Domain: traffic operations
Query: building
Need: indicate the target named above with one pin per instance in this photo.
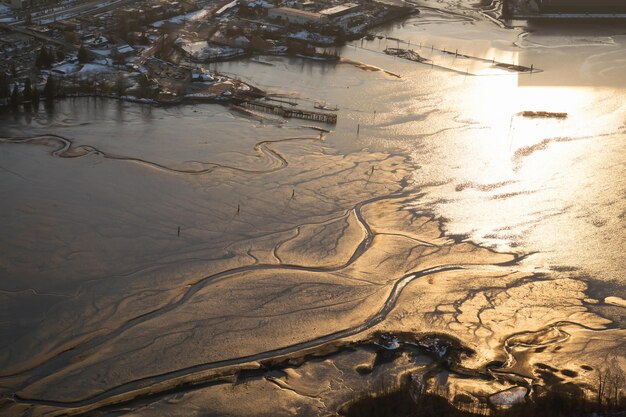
(125, 50)
(338, 11)
(294, 16)
(582, 6)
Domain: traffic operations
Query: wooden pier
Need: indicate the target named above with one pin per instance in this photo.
(330, 118)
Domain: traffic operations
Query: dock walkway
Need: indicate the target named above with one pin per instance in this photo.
(330, 118)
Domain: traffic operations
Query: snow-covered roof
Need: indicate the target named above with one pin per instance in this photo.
(125, 49)
(227, 7)
(342, 8)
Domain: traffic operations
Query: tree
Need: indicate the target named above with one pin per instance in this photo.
(16, 97)
(120, 85)
(35, 97)
(28, 90)
(145, 86)
(43, 59)
(83, 55)
(118, 58)
(13, 69)
(50, 89)
(123, 27)
(5, 89)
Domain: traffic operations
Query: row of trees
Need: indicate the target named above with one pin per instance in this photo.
(54, 88)
(30, 93)
(48, 56)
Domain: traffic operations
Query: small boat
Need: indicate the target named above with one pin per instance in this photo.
(544, 114)
(323, 106)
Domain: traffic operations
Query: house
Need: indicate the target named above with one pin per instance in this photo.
(224, 39)
(125, 50)
(201, 76)
(294, 16)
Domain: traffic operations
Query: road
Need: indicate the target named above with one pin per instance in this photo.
(82, 9)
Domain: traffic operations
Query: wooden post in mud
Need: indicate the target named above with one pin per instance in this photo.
(358, 129)
(293, 193)
(178, 231)
(532, 66)
(238, 209)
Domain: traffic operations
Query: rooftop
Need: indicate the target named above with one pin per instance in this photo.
(297, 12)
(338, 9)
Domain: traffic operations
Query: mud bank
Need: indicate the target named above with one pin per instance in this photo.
(302, 279)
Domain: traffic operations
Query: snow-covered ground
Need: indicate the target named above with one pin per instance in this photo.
(260, 3)
(313, 37)
(67, 68)
(189, 17)
(91, 69)
(202, 50)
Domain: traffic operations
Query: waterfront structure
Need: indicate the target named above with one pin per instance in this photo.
(582, 6)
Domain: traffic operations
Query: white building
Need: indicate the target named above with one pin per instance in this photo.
(289, 15)
(341, 10)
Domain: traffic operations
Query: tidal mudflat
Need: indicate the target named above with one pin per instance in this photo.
(192, 261)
